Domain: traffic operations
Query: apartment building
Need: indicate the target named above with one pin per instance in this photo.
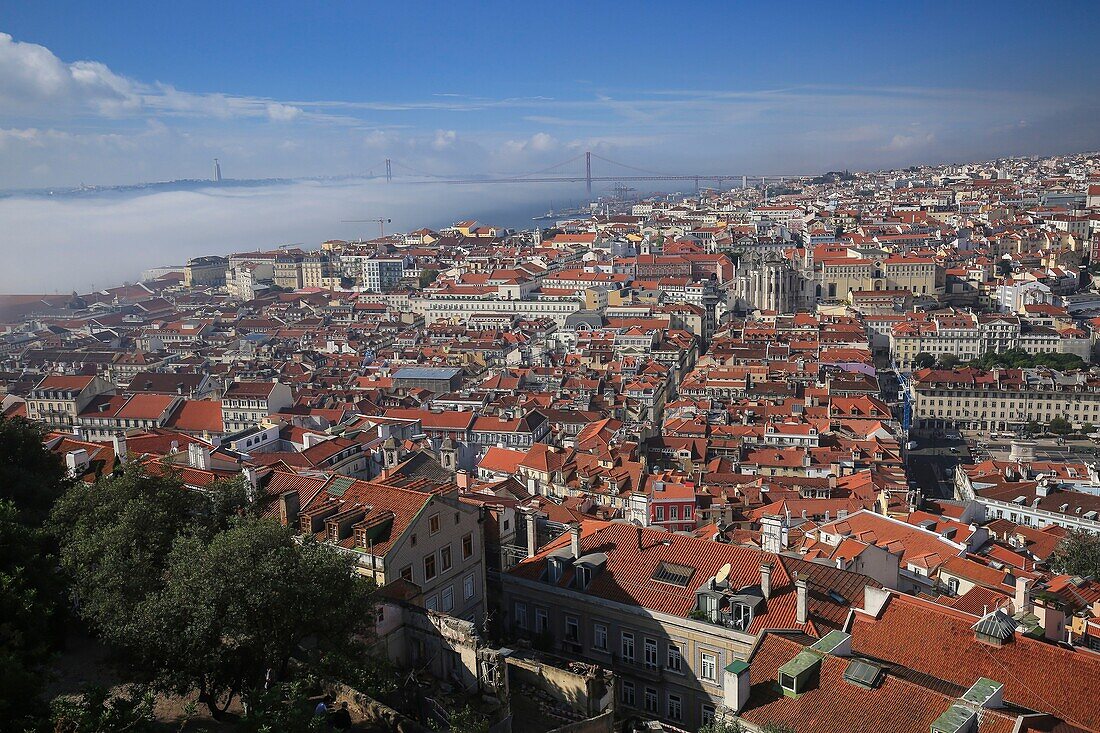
(421, 533)
(57, 399)
(968, 336)
(205, 271)
(246, 404)
(668, 612)
(1023, 494)
(109, 415)
(460, 308)
(1002, 399)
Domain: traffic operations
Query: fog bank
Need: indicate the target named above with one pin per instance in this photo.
(77, 242)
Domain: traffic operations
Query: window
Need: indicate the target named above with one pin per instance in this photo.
(458, 518)
(706, 714)
(675, 658)
(429, 566)
(628, 646)
(660, 514)
(584, 576)
(468, 587)
(708, 666)
(650, 647)
(675, 708)
(467, 546)
(572, 629)
(445, 559)
(626, 693)
(542, 620)
(651, 701)
(674, 512)
(433, 524)
(447, 598)
(521, 615)
(407, 573)
(412, 540)
(599, 637)
(432, 603)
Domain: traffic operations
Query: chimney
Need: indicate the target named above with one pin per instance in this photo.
(766, 579)
(76, 461)
(1021, 603)
(288, 509)
(198, 456)
(802, 587)
(462, 478)
(874, 600)
(735, 685)
(575, 539)
(118, 440)
(532, 519)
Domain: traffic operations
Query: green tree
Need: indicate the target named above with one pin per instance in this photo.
(30, 476)
(1031, 427)
(115, 537)
(1077, 554)
(197, 593)
(947, 361)
(97, 710)
(234, 611)
(468, 720)
(1060, 426)
(32, 592)
(283, 708)
(427, 277)
(923, 360)
(30, 607)
(722, 726)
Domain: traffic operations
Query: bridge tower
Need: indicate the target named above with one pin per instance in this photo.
(588, 172)
(389, 171)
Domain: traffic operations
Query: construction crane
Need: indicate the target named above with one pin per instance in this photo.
(381, 222)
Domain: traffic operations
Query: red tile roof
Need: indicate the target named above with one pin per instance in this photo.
(834, 705)
(634, 554)
(1036, 674)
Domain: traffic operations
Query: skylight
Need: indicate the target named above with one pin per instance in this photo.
(862, 673)
(673, 574)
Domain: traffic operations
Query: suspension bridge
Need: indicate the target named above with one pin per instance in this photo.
(562, 173)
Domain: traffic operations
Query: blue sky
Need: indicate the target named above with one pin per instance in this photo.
(121, 92)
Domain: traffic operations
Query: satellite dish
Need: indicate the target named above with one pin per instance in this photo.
(723, 574)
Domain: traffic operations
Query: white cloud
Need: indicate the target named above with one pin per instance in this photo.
(444, 139)
(908, 142)
(33, 80)
(283, 112)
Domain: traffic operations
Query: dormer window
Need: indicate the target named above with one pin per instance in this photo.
(553, 570)
(584, 577)
(741, 615)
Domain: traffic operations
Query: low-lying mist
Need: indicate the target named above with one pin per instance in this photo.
(98, 240)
